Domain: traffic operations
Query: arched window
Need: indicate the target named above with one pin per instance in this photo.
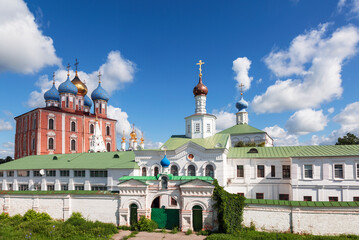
(209, 171)
(174, 170)
(108, 147)
(164, 183)
(191, 170)
(79, 104)
(108, 130)
(155, 171)
(73, 145)
(51, 143)
(100, 107)
(51, 123)
(67, 102)
(92, 129)
(73, 127)
(144, 171)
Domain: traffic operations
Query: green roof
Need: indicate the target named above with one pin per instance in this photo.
(294, 151)
(170, 176)
(241, 129)
(301, 203)
(216, 141)
(75, 192)
(103, 160)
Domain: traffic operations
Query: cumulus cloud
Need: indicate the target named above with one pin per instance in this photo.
(23, 47)
(5, 126)
(281, 137)
(352, 7)
(224, 119)
(152, 145)
(331, 110)
(241, 67)
(316, 61)
(122, 125)
(306, 121)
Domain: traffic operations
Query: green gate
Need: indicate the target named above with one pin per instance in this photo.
(197, 218)
(133, 214)
(165, 218)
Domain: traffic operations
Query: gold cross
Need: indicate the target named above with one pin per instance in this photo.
(200, 63)
(241, 85)
(76, 63)
(53, 78)
(68, 69)
(99, 77)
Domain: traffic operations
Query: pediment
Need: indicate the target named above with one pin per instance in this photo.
(132, 183)
(196, 183)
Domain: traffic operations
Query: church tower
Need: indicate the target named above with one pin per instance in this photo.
(241, 105)
(68, 92)
(100, 99)
(81, 91)
(200, 124)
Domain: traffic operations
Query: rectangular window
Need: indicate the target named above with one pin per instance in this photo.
(9, 187)
(307, 198)
(338, 171)
(333, 199)
(188, 128)
(208, 127)
(33, 144)
(357, 170)
(308, 171)
(10, 173)
(37, 173)
(356, 199)
(240, 171)
(241, 194)
(23, 187)
(79, 173)
(50, 187)
(284, 197)
(197, 127)
(286, 171)
(259, 195)
(260, 171)
(272, 171)
(23, 173)
(37, 187)
(98, 173)
(50, 173)
(64, 187)
(98, 188)
(64, 173)
(79, 187)
(173, 201)
(1, 173)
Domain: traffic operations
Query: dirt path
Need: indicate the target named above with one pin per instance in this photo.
(158, 236)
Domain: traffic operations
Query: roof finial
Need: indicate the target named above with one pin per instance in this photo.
(76, 63)
(53, 78)
(68, 69)
(99, 77)
(123, 137)
(241, 85)
(200, 63)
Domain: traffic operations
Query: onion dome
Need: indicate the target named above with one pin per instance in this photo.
(81, 87)
(68, 87)
(87, 101)
(165, 162)
(100, 93)
(200, 88)
(52, 94)
(241, 105)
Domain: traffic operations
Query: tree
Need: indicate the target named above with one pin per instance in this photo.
(349, 139)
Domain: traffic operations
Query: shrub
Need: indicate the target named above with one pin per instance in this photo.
(124, 227)
(76, 219)
(189, 232)
(174, 230)
(145, 224)
(204, 232)
(32, 215)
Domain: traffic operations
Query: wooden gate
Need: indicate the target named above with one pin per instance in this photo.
(133, 214)
(165, 218)
(197, 218)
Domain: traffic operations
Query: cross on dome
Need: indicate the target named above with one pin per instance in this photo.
(76, 63)
(200, 63)
(68, 69)
(241, 85)
(53, 78)
(99, 77)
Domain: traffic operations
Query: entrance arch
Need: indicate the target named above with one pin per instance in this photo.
(133, 214)
(165, 218)
(197, 218)
(156, 202)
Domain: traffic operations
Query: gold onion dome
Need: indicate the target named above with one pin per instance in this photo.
(81, 87)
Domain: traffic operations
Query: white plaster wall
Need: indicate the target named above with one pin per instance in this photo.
(53, 206)
(18, 205)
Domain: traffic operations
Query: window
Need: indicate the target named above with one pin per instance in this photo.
(197, 127)
(260, 171)
(64, 187)
(144, 172)
(34, 123)
(79, 104)
(108, 131)
(191, 170)
(37, 173)
(79, 173)
(23, 187)
(284, 197)
(173, 201)
(338, 171)
(286, 171)
(100, 107)
(208, 127)
(33, 144)
(209, 171)
(240, 171)
(73, 127)
(10, 173)
(108, 147)
(79, 187)
(51, 123)
(155, 171)
(1, 173)
(64, 173)
(272, 171)
(355, 199)
(307, 198)
(241, 194)
(174, 170)
(50, 187)
(51, 143)
(9, 187)
(91, 129)
(50, 173)
(164, 182)
(259, 195)
(98, 173)
(333, 199)
(37, 187)
(67, 102)
(357, 170)
(73, 145)
(23, 173)
(308, 171)
(188, 128)
(98, 188)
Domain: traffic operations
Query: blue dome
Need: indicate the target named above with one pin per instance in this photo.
(52, 94)
(241, 105)
(68, 87)
(100, 93)
(87, 101)
(165, 162)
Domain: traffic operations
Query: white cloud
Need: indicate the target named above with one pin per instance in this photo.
(319, 82)
(5, 126)
(8, 150)
(122, 120)
(352, 7)
(8, 145)
(241, 67)
(306, 121)
(152, 145)
(23, 47)
(224, 119)
(281, 137)
(331, 110)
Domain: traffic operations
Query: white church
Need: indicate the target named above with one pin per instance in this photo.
(178, 177)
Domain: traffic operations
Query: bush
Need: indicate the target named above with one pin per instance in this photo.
(32, 215)
(189, 232)
(145, 224)
(174, 230)
(76, 219)
(124, 227)
(204, 232)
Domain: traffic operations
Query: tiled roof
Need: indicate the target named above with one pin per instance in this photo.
(103, 160)
(241, 129)
(216, 141)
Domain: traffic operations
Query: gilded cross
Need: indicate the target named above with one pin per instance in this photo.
(76, 63)
(241, 85)
(99, 76)
(68, 69)
(200, 63)
(53, 78)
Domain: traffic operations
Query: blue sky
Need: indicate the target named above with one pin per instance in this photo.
(147, 52)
